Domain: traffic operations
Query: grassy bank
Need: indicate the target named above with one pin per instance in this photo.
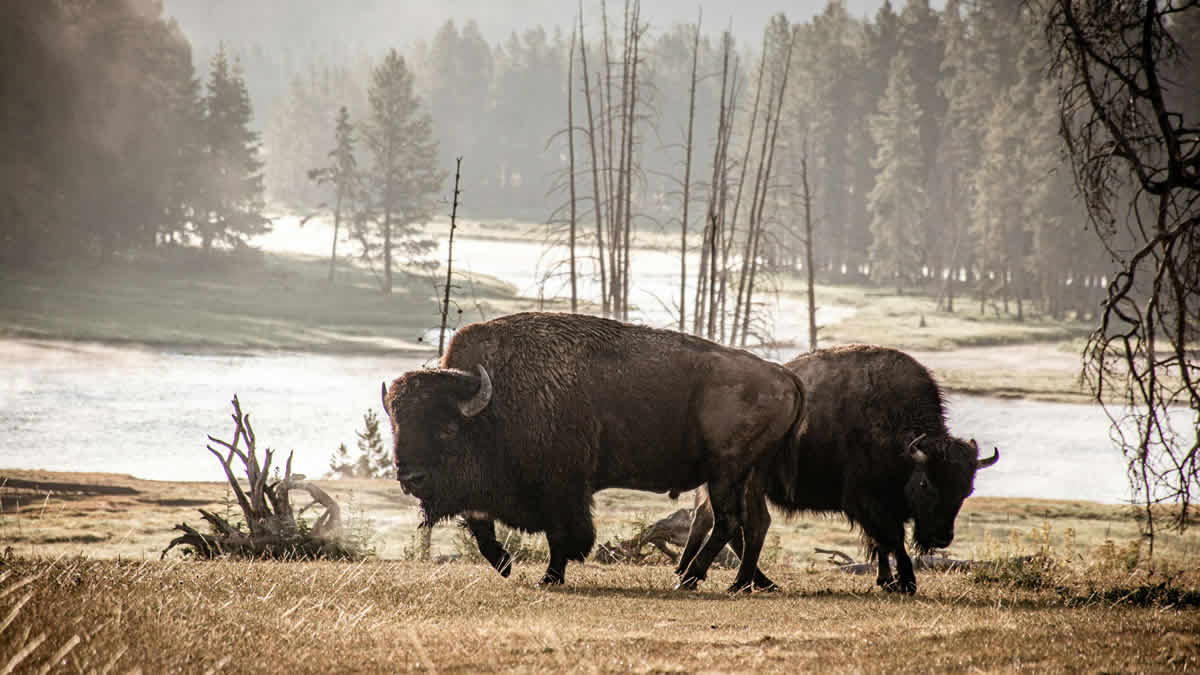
(882, 317)
(185, 299)
(113, 515)
(1086, 599)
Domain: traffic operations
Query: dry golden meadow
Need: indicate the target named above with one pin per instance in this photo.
(82, 590)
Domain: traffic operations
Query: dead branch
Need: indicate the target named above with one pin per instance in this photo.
(271, 527)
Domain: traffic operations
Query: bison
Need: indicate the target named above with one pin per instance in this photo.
(876, 449)
(532, 413)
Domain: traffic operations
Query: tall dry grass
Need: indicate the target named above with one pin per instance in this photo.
(1056, 614)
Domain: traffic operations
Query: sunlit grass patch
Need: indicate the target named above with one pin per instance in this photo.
(183, 297)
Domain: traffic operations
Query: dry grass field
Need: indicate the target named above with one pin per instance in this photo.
(82, 590)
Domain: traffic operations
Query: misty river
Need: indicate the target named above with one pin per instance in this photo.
(147, 412)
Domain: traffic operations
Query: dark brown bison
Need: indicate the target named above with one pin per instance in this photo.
(875, 448)
(530, 414)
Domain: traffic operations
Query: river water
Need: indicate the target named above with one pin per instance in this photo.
(147, 412)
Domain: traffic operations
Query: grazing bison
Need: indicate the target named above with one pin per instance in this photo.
(875, 448)
(530, 414)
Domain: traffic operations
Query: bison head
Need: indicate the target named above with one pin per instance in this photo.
(432, 412)
(943, 476)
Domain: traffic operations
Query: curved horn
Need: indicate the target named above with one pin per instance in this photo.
(481, 399)
(383, 397)
(985, 463)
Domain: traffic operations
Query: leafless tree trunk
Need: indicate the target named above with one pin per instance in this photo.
(708, 249)
(607, 105)
(687, 183)
(597, 199)
(757, 214)
(571, 166)
(806, 200)
(449, 257)
(634, 38)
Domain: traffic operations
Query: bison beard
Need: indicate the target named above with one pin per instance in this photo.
(876, 449)
(532, 413)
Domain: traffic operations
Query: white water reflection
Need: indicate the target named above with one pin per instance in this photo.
(94, 408)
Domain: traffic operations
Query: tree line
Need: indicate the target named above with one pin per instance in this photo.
(113, 144)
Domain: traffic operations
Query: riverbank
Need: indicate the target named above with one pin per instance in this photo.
(105, 515)
(233, 302)
(261, 302)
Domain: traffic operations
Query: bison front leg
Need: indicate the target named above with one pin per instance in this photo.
(571, 538)
(484, 531)
(907, 582)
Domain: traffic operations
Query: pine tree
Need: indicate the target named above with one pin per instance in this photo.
(342, 173)
(374, 458)
(404, 179)
(997, 215)
(234, 180)
(898, 201)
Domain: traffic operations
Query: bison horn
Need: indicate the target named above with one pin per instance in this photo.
(383, 397)
(481, 399)
(985, 463)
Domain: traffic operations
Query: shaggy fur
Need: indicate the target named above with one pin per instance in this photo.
(580, 404)
(869, 409)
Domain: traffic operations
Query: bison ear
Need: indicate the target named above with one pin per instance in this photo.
(480, 400)
(974, 445)
(918, 455)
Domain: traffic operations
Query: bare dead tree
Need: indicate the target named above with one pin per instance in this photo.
(571, 165)
(450, 256)
(687, 181)
(272, 528)
(1136, 161)
(597, 199)
(633, 38)
(759, 199)
(806, 202)
(708, 244)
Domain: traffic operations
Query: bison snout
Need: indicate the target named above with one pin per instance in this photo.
(411, 479)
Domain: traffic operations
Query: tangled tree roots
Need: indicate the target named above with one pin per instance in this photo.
(272, 528)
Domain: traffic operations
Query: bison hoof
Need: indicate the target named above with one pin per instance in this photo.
(551, 579)
(688, 584)
(894, 586)
(740, 587)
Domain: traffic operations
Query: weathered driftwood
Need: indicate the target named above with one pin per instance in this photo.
(272, 530)
(930, 561)
(660, 537)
